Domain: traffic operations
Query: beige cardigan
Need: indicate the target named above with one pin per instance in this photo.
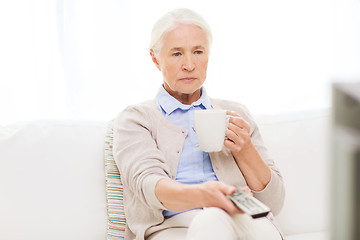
(147, 148)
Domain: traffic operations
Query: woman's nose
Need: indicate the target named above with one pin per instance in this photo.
(188, 64)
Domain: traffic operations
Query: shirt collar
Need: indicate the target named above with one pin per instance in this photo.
(169, 104)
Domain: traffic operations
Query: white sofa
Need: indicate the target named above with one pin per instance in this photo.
(52, 180)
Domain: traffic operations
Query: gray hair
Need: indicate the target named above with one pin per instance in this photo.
(170, 20)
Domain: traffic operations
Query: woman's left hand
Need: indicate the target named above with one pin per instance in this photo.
(256, 172)
(237, 133)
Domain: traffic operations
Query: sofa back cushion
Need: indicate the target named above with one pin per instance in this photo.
(114, 191)
(52, 181)
(299, 142)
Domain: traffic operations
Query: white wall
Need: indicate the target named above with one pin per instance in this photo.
(89, 58)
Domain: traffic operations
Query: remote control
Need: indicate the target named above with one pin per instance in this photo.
(249, 204)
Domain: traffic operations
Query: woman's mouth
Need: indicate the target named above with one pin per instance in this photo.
(188, 79)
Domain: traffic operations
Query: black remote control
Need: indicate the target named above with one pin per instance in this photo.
(249, 204)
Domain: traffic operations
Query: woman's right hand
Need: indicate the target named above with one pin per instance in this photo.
(176, 196)
(214, 194)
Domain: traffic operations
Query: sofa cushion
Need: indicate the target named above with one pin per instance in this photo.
(114, 191)
(299, 142)
(309, 236)
(52, 181)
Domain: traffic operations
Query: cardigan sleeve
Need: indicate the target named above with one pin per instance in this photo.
(141, 164)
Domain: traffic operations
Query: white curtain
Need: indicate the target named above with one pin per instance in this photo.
(88, 59)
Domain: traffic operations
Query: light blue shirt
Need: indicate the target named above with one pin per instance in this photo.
(195, 165)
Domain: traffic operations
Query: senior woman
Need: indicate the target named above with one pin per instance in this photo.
(172, 189)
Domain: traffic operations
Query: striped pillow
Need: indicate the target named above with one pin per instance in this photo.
(114, 191)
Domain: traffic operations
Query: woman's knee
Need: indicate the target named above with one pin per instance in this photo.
(212, 223)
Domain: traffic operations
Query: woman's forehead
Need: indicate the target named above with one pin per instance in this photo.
(185, 35)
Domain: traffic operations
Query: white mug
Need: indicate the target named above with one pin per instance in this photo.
(210, 126)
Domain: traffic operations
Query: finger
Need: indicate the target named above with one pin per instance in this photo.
(227, 204)
(231, 208)
(238, 131)
(228, 143)
(247, 190)
(236, 135)
(232, 113)
(234, 140)
(232, 146)
(228, 189)
(240, 122)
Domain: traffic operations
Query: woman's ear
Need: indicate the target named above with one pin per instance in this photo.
(154, 59)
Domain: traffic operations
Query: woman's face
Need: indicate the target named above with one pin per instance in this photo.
(183, 61)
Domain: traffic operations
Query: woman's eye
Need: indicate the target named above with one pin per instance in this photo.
(176, 54)
(198, 52)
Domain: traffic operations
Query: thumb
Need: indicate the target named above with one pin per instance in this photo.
(228, 190)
